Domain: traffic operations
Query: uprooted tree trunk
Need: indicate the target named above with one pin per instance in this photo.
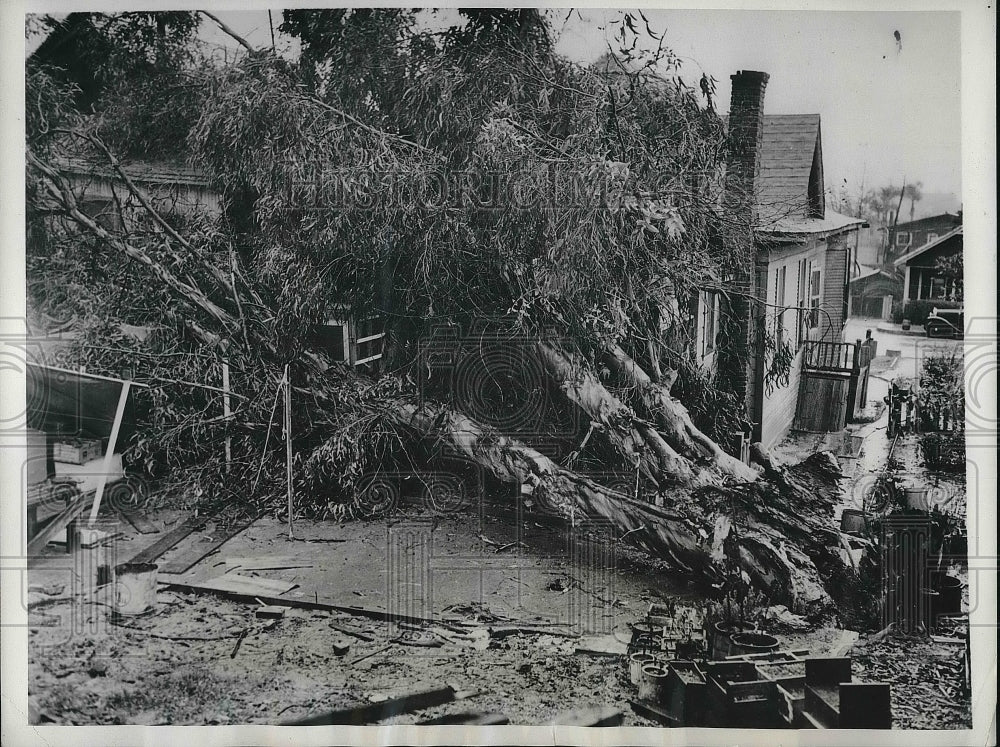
(691, 536)
(672, 419)
(635, 441)
(713, 500)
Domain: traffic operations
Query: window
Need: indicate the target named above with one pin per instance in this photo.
(930, 237)
(709, 317)
(103, 211)
(779, 303)
(368, 339)
(351, 342)
(938, 288)
(902, 239)
(815, 295)
(332, 338)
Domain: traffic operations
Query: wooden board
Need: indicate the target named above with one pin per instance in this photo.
(171, 538)
(199, 551)
(308, 604)
(139, 522)
(654, 712)
(76, 507)
(468, 718)
(371, 714)
(234, 583)
(265, 563)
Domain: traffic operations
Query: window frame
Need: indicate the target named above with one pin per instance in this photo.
(815, 299)
(709, 321)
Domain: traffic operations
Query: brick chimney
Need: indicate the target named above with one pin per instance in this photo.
(746, 128)
(740, 361)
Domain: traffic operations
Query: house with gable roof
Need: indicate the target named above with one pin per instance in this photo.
(802, 255)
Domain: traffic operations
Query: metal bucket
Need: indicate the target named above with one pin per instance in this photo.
(720, 634)
(636, 662)
(752, 643)
(647, 643)
(135, 590)
(653, 683)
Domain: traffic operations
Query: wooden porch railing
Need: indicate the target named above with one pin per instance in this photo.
(829, 356)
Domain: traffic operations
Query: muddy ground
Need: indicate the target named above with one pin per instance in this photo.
(203, 658)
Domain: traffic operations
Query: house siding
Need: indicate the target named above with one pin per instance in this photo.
(165, 197)
(910, 235)
(780, 406)
(834, 292)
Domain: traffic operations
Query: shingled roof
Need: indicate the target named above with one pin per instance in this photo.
(790, 183)
(789, 186)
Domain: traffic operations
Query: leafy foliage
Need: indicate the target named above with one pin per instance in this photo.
(581, 199)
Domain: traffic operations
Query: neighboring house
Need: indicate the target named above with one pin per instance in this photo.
(868, 252)
(169, 187)
(803, 251)
(921, 279)
(872, 293)
(908, 236)
(174, 188)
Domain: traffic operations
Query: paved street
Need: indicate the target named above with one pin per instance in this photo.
(912, 350)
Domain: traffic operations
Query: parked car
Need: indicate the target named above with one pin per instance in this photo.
(945, 323)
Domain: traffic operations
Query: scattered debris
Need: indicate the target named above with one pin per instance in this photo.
(349, 631)
(601, 645)
(340, 646)
(234, 583)
(503, 632)
(270, 611)
(470, 718)
(239, 642)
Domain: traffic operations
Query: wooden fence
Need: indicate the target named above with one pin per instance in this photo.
(834, 388)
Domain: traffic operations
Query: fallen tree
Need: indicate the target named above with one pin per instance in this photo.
(248, 289)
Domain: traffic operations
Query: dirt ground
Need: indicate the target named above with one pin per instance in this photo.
(177, 664)
(203, 658)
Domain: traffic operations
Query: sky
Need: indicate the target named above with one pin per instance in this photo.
(890, 110)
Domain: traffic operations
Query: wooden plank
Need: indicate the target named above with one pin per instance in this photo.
(264, 563)
(469, 718)
(199, 552)
(139, 522)
(307, 604)
(654, 712)
(171, 538)
(76, 507)
(371, 714)
(234, 583)
(102, 479)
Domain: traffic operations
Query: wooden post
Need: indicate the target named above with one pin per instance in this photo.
(226, 412)
(102, 479)
(288, 447)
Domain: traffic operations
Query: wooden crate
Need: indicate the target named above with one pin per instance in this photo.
(79, 451)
